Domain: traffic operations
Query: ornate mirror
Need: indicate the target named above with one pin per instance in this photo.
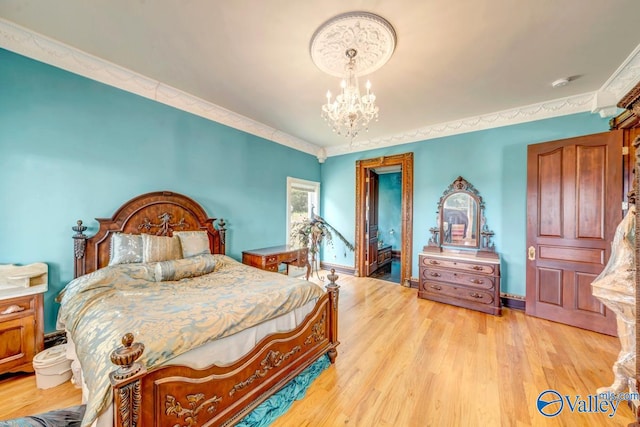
(460, 220)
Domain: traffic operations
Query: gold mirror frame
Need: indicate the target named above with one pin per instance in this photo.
(479, 231)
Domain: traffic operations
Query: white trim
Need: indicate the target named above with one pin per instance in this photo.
(529, 113)
(311, 186)
(42, 48)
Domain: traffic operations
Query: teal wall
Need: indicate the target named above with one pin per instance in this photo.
(389, 209)
(494, 161)
(72, 148)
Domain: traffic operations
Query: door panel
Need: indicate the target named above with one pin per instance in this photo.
(372, 222)
(574, 197)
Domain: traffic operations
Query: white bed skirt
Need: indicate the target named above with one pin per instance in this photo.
(220, 352)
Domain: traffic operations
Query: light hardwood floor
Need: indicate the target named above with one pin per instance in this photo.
(403, 361)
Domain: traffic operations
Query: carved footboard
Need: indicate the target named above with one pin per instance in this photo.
(221, 395)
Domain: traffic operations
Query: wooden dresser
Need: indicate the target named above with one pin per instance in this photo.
(465, 280)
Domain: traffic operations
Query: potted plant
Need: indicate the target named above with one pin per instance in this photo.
(313, 231)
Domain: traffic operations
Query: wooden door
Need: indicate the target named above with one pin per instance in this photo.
(372, 222)
(574, 203)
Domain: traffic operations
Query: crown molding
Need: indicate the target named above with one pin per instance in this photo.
(625, 77)
(602, 101)
(529, 113)
(44, 49)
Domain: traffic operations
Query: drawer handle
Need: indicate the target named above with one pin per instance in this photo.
(436, 287)
(13, 309)
(434, 262)
(476, 281)
(476, 295)
(435, 274)
(477, 267)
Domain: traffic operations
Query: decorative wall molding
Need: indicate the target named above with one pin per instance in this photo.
(36, 46)
(41, 48)
(529, 113)
(625, 77)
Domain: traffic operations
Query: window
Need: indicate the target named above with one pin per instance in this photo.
(302, 197)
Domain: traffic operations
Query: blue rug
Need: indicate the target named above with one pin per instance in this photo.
(62, 417)
(262, 416)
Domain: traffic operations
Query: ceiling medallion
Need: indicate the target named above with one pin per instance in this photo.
(347, 46)
(370, 35)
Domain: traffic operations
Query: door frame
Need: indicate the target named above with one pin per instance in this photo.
(405, 161)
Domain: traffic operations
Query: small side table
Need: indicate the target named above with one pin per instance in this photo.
(21, 315)
(270, 258)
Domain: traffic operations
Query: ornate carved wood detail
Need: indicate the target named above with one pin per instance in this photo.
(333, 288)
(317, 331)
(405, 161)
(172, 210)
(125, 358)
(165, 227)
(630, 117)
(79, 239)
(126, 380)
(222, 230)
(272, 360)
(197, 404)
(79, 247)
(222, 395)
(436, 240)
(130, 398)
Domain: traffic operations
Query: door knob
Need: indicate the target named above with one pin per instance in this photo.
(532, 253)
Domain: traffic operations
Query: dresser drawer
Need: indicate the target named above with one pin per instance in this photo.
(17, 307)
(459, 265)
(468, 279)
(270, 259)
(460, 293)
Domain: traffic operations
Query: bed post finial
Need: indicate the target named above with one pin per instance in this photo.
(222, 231)
(334, 291)
(79, 246)
(126, 381)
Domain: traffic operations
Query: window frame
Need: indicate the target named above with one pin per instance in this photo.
(312, 186)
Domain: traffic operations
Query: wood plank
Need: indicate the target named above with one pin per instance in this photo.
(405, 361)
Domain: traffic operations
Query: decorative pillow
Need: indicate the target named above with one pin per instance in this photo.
(182, 268)
(160, 248)
(125, 248)
(193, 243)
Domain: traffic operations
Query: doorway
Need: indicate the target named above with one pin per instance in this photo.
(367, 182)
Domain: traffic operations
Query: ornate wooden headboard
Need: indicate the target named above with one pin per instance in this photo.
(160, 213)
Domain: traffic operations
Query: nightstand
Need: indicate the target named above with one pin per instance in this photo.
(21, 315)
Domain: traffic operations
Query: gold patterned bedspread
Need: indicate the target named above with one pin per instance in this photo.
(169, 317)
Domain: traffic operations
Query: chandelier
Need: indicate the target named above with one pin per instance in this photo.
(347, 46)
(350, 112)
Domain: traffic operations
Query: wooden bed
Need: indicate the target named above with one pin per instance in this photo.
(215, 395)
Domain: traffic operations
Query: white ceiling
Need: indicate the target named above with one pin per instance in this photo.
(458, 65)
